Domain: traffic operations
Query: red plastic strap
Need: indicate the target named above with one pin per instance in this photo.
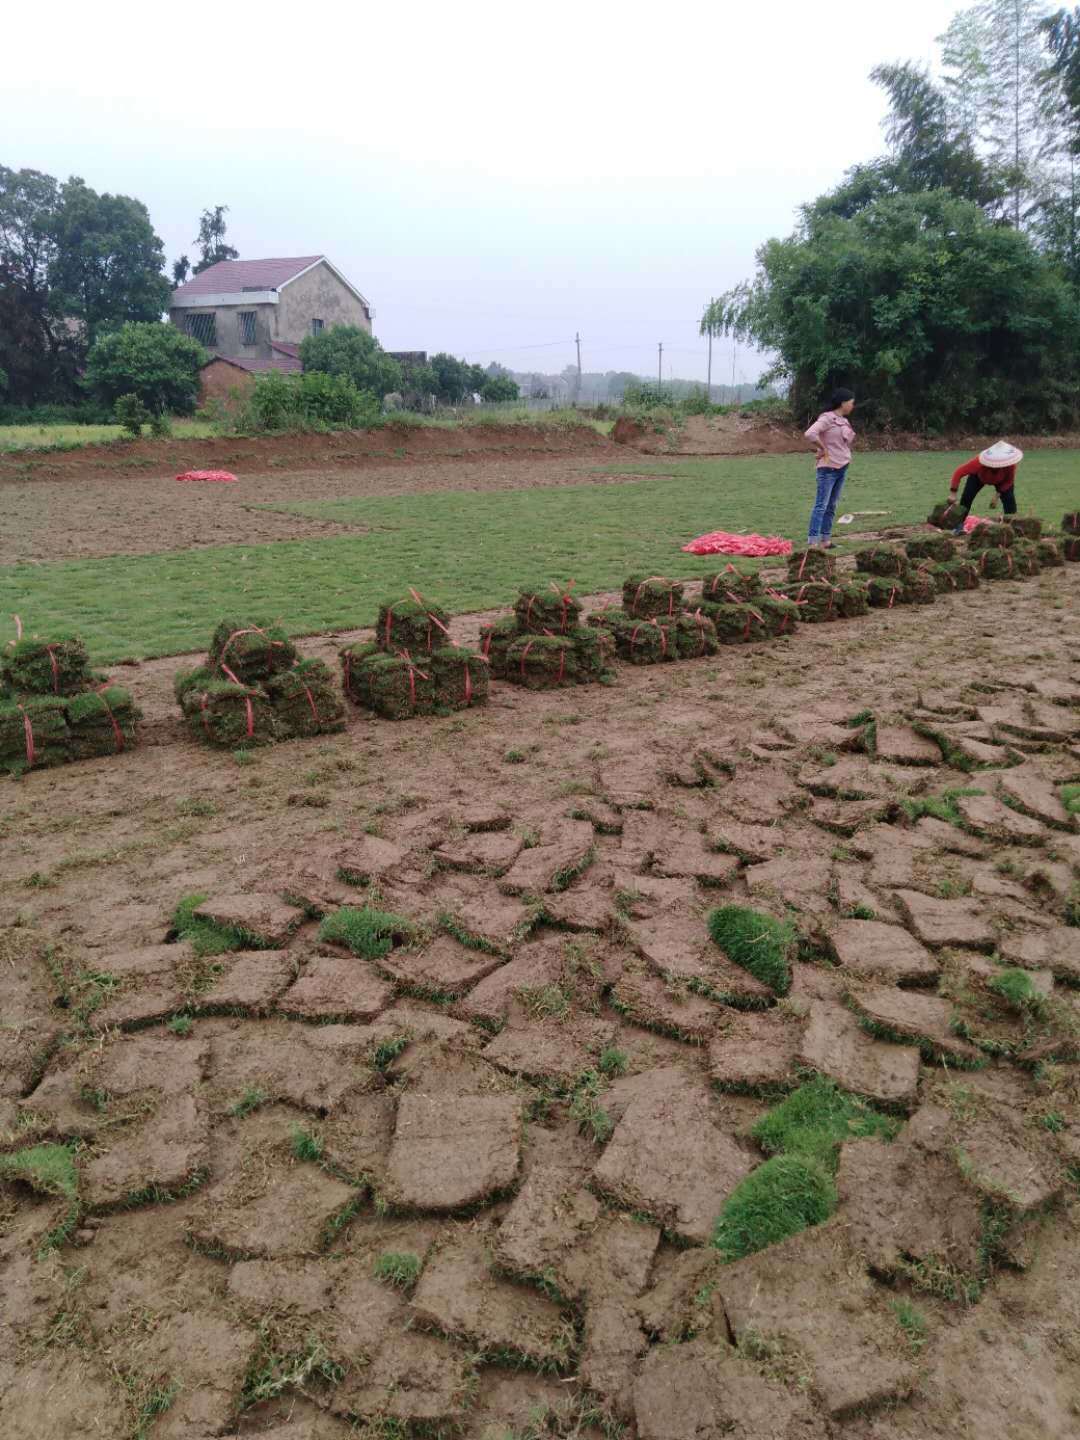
(802, 564)
(563, 592)
(468, 685)
(485, 649)
(413, 672)
(51, 649)
(251, 630)
(247, 698)
(116, 728)
(663, 635)
(389, 619)
(892, 596)
(525, 656)
(28, 731)
(699, 620)
(18, 628)
(311, 702)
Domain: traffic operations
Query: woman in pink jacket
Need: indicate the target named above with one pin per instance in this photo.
(832, 437)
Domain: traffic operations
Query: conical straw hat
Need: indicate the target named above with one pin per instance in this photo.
(996, 457)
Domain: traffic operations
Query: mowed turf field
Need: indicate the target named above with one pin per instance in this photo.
(474, 550)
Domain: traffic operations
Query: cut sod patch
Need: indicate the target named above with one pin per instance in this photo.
(48, 1170)
(366, 932)
(207, 937)
(757, 942)
(787, 1194)
(816, 1119)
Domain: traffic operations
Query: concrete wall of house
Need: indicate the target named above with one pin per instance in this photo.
(227, 325)
(318, 295)
(224, 383)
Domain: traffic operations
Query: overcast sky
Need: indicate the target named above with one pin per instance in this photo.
(492, 177)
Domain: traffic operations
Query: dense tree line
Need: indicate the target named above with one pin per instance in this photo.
(942, 279)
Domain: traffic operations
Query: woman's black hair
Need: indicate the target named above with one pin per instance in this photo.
(839, 396)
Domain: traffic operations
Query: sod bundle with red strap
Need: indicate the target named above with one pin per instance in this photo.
(996, 563)
(229, 715)
(817, 600)
(639, 642)
(251, 651)
(646, 596)
(461, 678)
(695, 635)
(33, 733)
(731, 585)
(737, 623)
(964, 574)
(882, 560)
(352, 673)
(939, 548)
(413, 624)
(780, 614)
(305, 701)
(946, 515)
(101, 722)
(59, 666)
(1026, 555)
(1070, 547)
(397, 687)
(885, 593)
(1049, 551)
(1029, 526)
(811, 564)
(549, 609)
(920, 587)
(1070, 522)
(495, 641)
(992, 537)
(546, 662)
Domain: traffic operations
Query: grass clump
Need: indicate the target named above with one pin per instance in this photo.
(614, 1062)
(207, 937)
(181, 1025)
(816, 1119)
(587, 1111)
(49, 1170)
(272, 1371)
(367, 932)
(399, 1268)
(1070, 798)
(305, 1144)
(763, 946)
(1016, 988)
(940, 807)
(787, 1194)
(912, 1321)
(250, 1100)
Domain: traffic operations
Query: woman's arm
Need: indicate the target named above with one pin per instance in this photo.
(815, 434)
(969, 467)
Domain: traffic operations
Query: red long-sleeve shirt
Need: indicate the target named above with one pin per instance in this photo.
(1001, 477)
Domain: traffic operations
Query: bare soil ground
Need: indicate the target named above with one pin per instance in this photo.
(216, 1282)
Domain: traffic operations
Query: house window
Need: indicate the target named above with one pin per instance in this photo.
(316, 327)
(247, 327)
(203, 328)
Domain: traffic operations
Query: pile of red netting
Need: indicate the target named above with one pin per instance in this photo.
(722, 542)
(973, 522)
(216, 477)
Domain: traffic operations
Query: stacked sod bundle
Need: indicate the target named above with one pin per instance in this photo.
(412, 667)
(953, 575)
(1029, 526)
(1070, 535)
(884, 560)
(823, 598)
(743, 610)
(1050, 550)
(989, 536)
(938, 548)
(543, 645)
(255, 689)
(946, 516)
(654, 625)
(53, 708)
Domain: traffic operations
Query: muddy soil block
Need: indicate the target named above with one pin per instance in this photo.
(228, 716)
(487, 853)
(1027, 788)
(810, 564)
(287, 1210)
(33, 733)
(61, 1392)
(305, 701)
(397, 687)
(938, 548)
(986, 816)
(102, 722)
(905, 746)
(252, 652)
(923, 1020)
(741, 624)
(997, 563)
(261, 919)
(886, 952)
(567, 849)
(613, 1342)
(453, 1151)
(1055, 948)
(653, 1004)
(960, 923)
(47, 667)
(445, 969)
(1029, 526)
(645, 596)
(999, 536)
(369, 858)
(731, 585)
(639, 642)
(701, 1389)
(337, 988)
(460, 1294)
(485, 920)
(888, 560)
(413, 1383)
(462, 678)
(834, 1044)
(536, 967)
(248, 981)
(946, 516)
(547, 610)
(411, 624)
(668, 1160)
(780, 614)
(802, 884)
(555, 1051)
(813, 1290)
(998, 1152)
(1050, 552)
(756, 1054)
(165, 1152)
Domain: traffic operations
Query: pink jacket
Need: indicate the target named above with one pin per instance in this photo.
(835, 435)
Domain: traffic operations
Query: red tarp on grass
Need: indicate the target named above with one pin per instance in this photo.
(722, 542)
(215, 477)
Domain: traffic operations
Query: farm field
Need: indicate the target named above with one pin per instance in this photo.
(62, 437)
(491, 1161)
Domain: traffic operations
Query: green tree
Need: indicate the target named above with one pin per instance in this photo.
(38, 353)
(348, 350)
(181, 269)
(108, 263)
(153, 361)
(454, 379)
(935, 315)
(210, 240)
(498, 388)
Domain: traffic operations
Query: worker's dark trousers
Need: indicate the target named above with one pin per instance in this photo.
(973, 485)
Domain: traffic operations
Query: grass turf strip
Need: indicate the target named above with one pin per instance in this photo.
(469, 550)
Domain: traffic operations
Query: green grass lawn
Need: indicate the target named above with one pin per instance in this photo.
(473, 551)
(72, 437)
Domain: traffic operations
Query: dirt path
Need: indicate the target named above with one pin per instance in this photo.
(541, 1104)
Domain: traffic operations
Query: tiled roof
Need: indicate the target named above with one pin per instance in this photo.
(228, 277)
(287, 364)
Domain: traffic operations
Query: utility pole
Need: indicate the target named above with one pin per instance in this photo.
(660, 366)
(577, 392)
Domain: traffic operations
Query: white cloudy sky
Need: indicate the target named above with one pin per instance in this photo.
(492, 176)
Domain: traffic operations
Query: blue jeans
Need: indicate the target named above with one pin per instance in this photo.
(829, 484)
